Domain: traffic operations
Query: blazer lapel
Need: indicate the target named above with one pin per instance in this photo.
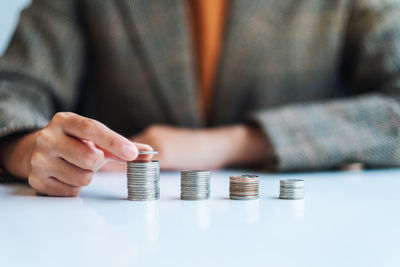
(249, 48)
(160, 28)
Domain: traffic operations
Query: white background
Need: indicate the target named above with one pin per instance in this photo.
(347, 219)
(9, 15)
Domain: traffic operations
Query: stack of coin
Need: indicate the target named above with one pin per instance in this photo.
(143, 180)
(291, 189)
(195, 185)
(243, 187)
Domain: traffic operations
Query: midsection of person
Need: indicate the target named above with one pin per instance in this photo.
(281, 69)
(271, 55)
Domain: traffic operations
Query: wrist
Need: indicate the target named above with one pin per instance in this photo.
(15, 154)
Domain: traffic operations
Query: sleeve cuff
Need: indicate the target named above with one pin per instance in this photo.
(22, 110)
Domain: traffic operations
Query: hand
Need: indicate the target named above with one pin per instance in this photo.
(209, 149)
(61, 158)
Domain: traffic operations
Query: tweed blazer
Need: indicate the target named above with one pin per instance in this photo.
(321, 78)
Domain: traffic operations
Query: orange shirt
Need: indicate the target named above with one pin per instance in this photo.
(207, 19)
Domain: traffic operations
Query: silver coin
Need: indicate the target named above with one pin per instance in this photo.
(234, 197)
(292, 183)
(290, 197)
(148, 152)
(292, 193)
(194, 198)
(205, 192)
(292, 190)
(195, 172)
(143, 180)
(195, 195)
(195, 184)
(142, 199)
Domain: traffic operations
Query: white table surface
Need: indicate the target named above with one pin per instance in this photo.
(346, 219)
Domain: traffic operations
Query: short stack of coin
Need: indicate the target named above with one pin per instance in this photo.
(143, 180)
(243, 187)
(195, 185)
(291, 189)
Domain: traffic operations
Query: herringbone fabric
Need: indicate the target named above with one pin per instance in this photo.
(322, 78)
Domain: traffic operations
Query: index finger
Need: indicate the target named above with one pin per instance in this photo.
(146, 153)
(101, 135)
(143, 148)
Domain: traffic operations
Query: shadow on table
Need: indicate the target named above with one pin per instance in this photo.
(22, 189)
(174, 198)
(100, 196)
(18, 189)
(261, 197)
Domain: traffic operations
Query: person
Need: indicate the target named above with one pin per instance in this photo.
(286, 85)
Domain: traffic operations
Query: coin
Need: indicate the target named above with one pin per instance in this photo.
(148, 152)
(143, 180)
(243, 187)
(195, 185)
(291, 189)
(292, 183)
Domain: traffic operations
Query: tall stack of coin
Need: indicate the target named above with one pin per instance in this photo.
(291, 189)
(143, 179)
(243, 187)
(195, 185)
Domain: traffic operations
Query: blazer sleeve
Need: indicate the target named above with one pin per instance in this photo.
(364, 128)
(42, 67)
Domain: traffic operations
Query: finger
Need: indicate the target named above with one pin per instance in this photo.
(114, 166)
(141, 147)
(144, 147)
(92, 130)
(52, 187)
(78, 153)
(69, 174)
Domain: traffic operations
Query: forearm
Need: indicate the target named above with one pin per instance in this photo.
(15, 152)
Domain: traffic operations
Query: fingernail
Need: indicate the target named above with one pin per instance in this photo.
(147, 146)
(142, 146)
(130, 152)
